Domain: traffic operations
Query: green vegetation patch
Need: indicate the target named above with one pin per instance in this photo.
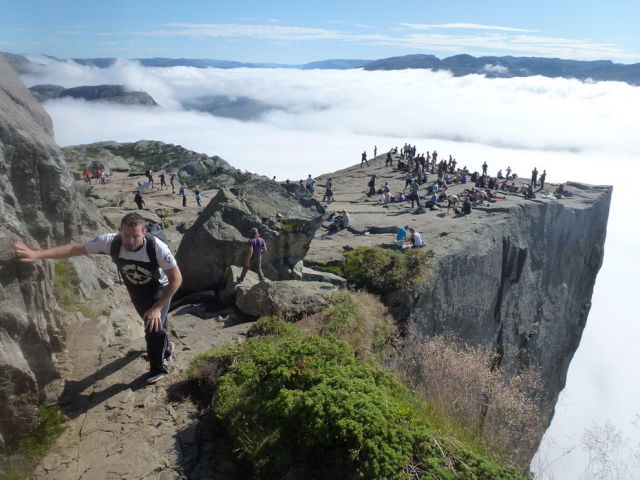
(380, 270)
(300, 405)
(363, 321)
(66, 284)
(30, 449)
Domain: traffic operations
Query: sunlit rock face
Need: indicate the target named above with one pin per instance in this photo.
(520, 286)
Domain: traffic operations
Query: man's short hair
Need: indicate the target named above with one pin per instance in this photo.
(132, 219)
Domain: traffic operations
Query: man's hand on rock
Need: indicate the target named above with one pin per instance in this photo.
(24, 253)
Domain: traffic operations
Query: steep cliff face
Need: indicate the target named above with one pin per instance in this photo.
(520, 285)
(37, 206)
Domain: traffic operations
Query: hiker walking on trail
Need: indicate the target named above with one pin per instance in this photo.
(149, 271)
(328, 191)
(149, 175)
(257, 246)
(163, 182)
(364, 158)
(198, 195)
(172, 179)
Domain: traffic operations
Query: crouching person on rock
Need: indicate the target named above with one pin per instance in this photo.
(149, 271)
(257, 246)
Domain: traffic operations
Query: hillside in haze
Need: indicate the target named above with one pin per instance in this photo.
(458, 65)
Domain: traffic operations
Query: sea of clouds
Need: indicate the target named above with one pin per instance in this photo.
(319, 121)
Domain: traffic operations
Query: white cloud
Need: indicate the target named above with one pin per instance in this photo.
(574, 130)
(236, 30)
(499, 69)
(465, 26)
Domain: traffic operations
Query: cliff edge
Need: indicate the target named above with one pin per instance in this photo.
(515, 276)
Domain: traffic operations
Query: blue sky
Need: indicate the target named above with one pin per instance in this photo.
(299, 32)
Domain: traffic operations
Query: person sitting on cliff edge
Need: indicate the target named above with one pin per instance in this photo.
(149, 271)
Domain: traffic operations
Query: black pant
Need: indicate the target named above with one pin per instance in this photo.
(184, 200)
(157, 342)
(415, 198)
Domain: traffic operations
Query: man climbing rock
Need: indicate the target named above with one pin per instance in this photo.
(149, 272)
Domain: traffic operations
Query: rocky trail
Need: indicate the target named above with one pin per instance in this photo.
(121, 428)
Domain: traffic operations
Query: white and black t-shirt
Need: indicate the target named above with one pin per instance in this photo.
(135, 273)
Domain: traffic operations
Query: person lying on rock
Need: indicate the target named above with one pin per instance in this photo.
(257, 246)
(149, 271)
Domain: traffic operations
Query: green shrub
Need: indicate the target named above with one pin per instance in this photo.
(379, 270)
(303, 406)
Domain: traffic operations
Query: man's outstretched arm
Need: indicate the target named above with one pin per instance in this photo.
(28, 255)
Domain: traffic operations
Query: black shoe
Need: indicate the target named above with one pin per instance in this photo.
(154, 378)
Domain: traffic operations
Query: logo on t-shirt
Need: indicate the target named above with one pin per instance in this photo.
(136, 274)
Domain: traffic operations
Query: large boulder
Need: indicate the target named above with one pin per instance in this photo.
(292, 299)
(219, 236)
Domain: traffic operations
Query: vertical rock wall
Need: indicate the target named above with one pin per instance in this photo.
(37, 206)
(521, 287)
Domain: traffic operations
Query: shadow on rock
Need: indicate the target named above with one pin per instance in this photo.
(73, 402)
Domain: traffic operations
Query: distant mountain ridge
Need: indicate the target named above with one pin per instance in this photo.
(509, 66)
(458, 65)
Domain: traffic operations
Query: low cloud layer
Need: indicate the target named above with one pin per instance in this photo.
(322, 120)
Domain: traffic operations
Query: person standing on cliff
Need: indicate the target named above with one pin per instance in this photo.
(372, 186)
(534, 177)
(257, 246)
(414, 195)
(183, 193)
(328, 191)
(149, 174)
(149, 271)
(163, 182)
(364, 158)
(543, 177)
